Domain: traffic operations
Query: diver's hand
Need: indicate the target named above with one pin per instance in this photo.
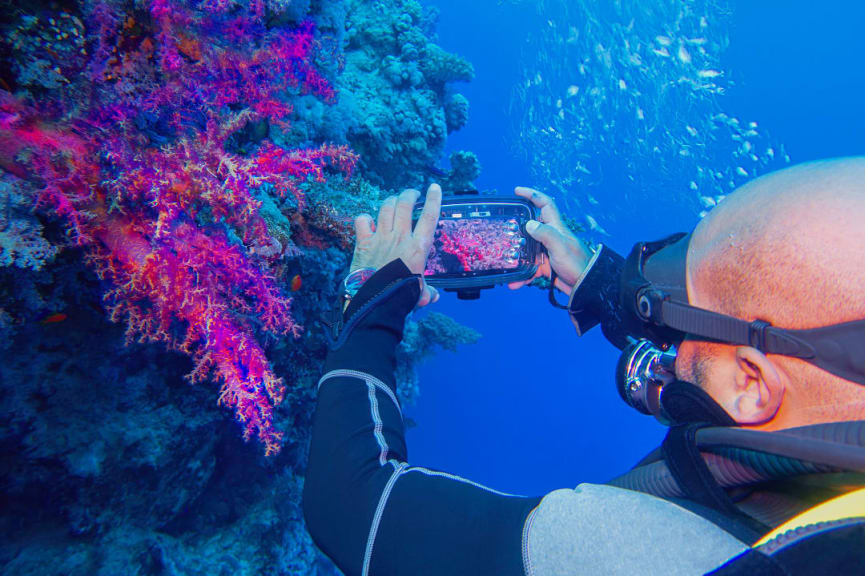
(567, 255)
(391, 237)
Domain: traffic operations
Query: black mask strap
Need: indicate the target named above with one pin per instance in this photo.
(838, 348)
(660, 312)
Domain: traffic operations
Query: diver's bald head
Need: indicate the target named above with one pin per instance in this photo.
(787, 248)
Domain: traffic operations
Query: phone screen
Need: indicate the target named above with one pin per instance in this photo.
(483, 239)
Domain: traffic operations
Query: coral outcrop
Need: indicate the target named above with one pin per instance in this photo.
(21, 241)
(177, 181)
(397, 83)
(423, 338)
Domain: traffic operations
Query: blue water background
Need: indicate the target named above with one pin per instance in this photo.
(532, 407)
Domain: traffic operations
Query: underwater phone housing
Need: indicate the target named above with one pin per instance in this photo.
(480, 241)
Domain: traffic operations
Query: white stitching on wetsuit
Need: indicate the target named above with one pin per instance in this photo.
(369, 379)
(429, 472)
(379, 511)
(527, 560)
(372, 384)
(379, 425)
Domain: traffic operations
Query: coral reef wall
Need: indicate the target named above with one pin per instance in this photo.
(177, 181)
(398, 81)
(397, 100)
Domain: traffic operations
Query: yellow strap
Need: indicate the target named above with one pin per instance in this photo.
(850, 505)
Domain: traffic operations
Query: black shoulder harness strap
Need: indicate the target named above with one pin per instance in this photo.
(693, 409)
(694, 478)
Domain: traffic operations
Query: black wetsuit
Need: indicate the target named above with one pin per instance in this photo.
(373, 513)
(365, 506)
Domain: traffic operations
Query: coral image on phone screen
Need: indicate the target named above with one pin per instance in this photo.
(476, 245)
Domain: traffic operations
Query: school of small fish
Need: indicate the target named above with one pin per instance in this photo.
(623, 101)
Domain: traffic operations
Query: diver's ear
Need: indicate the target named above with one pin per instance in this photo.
(759, 387)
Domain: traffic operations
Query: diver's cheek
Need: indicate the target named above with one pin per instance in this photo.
(685, 361)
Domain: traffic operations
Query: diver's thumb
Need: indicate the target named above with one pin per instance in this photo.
(545, 234)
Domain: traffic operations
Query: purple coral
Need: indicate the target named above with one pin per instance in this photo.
(139, 169)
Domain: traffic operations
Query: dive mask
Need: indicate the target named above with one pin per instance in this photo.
(654, 301)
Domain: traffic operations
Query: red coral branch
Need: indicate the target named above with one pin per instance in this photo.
(195, 292)
(140, 171)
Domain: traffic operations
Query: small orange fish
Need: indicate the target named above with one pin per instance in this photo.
(54, 318)
(296, 282)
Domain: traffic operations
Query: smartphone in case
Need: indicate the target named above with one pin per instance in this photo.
(480, 241)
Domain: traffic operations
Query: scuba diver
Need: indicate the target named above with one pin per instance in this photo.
(746, 337)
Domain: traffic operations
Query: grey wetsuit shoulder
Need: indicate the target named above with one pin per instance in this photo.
(596, 529)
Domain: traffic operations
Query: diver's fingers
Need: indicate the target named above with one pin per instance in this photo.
(404, 209)
(543, 269)
(428, 295)
(549, 236)
(537, 198)
(564, 286)
(529, 194)
(560, 284)
(363, 228)
(429, 218)
(385, 215)
(549, 212)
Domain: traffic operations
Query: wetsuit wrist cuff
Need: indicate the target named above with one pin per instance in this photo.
(391, 272)
(374, 323)
(596, 295)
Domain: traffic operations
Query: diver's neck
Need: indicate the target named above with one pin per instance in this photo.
(811, 415)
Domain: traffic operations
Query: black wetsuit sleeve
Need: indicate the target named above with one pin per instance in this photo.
(365, 506)
(596, 297)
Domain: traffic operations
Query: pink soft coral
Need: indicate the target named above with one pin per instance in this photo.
(139, 170)
(206, 284)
